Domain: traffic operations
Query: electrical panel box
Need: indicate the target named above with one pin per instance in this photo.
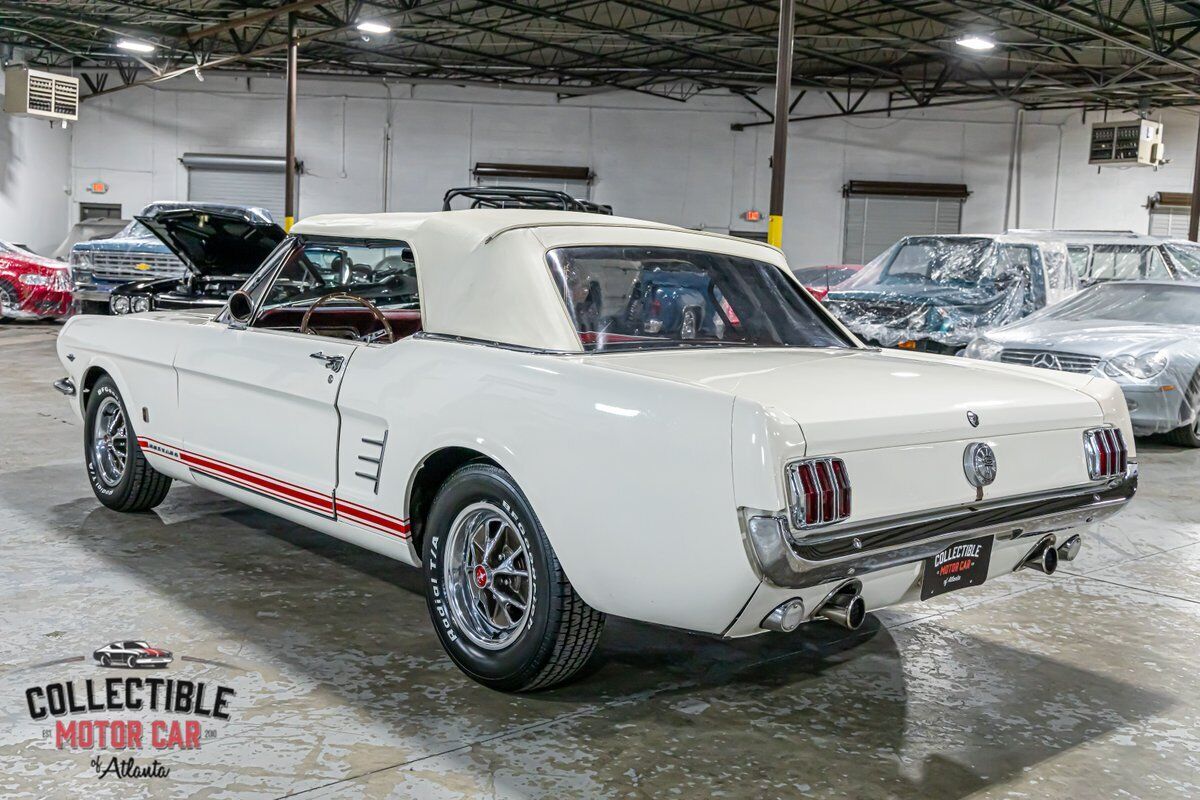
(47, 95)
(1129, 143)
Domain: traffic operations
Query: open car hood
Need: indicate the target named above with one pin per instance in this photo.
(215, 243)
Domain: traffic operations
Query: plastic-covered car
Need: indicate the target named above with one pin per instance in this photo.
(820, 280)
(32, 286)
(1145, 335)
(1124, 255)
(673, 298)
(936, 293)
(134, 254)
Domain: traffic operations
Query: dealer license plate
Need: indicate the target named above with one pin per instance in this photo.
(960, 565)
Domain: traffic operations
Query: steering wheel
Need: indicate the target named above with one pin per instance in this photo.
(353, 298)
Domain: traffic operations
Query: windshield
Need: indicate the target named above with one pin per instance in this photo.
(1122, 262)
(1186, 258)
(936, 260)
(136, 230)
(660, 297)
(382, 273)
(1132, 302)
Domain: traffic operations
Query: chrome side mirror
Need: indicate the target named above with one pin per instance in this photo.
(241, 307)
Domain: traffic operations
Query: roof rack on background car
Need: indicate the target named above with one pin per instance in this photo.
(521, 197)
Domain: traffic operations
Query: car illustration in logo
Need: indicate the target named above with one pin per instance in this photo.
(132, 654)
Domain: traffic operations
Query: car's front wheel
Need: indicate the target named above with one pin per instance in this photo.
(105, 661)
(121, 477)
(500, 602)
(1189, 435)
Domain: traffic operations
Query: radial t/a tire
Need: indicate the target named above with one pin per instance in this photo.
(120, 476)
(499, 600)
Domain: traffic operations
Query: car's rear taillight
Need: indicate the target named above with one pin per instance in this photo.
(1105, 452)
(818, 492)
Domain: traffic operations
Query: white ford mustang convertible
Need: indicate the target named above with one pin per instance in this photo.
(559, 416)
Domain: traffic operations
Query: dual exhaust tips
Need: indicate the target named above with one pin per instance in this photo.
(844, 607)
(1045, 557)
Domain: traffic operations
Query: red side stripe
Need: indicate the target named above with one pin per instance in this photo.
(307, 497)
(372, 518)
(361, 515)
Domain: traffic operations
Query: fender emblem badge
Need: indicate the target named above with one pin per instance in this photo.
(973, 418)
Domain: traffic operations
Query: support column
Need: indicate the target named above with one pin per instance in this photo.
(1194, 210)
(289, 193)
(783, 85)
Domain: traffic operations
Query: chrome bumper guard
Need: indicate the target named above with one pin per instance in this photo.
(66, 386)
(852, 551)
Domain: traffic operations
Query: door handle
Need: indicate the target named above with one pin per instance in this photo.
(332, 363)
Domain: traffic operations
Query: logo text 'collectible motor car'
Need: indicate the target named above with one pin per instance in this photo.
(463, 391)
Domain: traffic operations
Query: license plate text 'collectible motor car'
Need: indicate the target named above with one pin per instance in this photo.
(466, 392)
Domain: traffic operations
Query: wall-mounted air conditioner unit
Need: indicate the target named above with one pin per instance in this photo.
(40, 94)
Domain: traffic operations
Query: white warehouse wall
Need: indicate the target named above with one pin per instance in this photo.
(34, 181)
(675, 162)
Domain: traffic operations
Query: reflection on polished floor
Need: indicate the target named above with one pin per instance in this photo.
(1079, 685)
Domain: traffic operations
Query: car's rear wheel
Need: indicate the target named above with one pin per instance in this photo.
(500, 602)
(1189, 435)
(121, 477)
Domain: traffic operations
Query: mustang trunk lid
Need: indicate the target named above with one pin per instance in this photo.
(846, 399)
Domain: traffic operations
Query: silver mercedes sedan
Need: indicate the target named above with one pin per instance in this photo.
(1145, 335)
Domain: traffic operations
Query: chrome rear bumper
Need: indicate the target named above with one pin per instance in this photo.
(852, 551)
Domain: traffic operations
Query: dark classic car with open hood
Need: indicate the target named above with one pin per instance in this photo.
(219, 246)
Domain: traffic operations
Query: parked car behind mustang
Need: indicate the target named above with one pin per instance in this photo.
(218, 247)
(32, 286)
(936, 293)
(135, 254)
(1145, 335)
(1124, 255)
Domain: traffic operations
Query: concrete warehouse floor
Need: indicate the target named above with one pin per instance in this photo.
(1080, 685)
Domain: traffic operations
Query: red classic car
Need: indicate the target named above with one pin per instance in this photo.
(32, 286)
(819, 280)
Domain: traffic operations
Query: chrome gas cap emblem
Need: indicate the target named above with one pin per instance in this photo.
(979, 464)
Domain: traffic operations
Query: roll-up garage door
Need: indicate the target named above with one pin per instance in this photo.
(1169, 214)
(879, 213)
(237, 180)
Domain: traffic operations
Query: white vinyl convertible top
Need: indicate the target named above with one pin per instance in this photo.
(482, 273)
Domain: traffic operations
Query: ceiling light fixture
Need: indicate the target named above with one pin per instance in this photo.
(374, 27)
(135, 46)
(974, 41)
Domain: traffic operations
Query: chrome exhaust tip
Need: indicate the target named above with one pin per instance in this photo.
(846, 609)
(1070, 548)
(786, 616)
(1044, 558)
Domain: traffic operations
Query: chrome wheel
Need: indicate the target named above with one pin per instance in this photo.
(110, 442)
(487, 575)
(8, 300)
(689, 326)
